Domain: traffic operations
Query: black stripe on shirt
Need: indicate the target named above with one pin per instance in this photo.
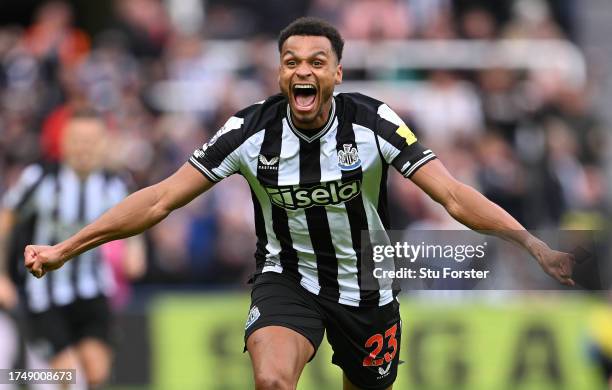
(318, 225)
(271, 147)
(29, 193)
(358, 221)
(262, 237)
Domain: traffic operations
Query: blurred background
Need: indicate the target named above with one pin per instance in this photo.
(513, 96)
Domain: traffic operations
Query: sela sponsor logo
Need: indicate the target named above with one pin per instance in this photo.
(328, 193)
(253, 316)
(268, 163)
(348, 158)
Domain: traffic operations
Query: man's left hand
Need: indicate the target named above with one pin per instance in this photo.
(557, 264)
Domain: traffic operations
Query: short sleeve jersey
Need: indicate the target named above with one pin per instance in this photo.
(319, 196)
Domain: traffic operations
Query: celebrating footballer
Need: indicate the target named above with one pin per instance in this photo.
(316, 163)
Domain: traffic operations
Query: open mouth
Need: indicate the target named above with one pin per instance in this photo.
(305, 96)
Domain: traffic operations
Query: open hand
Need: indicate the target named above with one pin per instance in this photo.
(40, 259)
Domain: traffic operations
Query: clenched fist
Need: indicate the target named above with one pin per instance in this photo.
(557, 264)
(40, 259)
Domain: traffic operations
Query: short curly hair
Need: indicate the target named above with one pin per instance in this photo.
(314, 27)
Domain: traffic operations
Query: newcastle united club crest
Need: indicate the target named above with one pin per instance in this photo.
(348, 158)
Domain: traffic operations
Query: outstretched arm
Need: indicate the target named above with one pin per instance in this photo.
(475, 211)
(132, 216)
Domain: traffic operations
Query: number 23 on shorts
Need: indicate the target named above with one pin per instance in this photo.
(377, 341)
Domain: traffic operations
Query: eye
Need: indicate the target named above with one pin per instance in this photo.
(317, 63)
(290, 63)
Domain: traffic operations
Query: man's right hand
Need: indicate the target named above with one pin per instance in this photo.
(8, 293)
(40, 259)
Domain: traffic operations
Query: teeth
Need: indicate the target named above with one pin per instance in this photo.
(303, 86)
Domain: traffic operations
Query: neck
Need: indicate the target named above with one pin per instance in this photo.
(81, 174)
(319, 121)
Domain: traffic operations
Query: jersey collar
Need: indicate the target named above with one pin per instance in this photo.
(320, 133)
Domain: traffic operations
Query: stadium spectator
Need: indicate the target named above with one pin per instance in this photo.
(53, 38)
(376, 19)
(145, 26)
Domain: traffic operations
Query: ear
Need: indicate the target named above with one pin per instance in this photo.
(339, 74)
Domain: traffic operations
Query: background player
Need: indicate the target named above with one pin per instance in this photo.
(68, 314)
(310, 55)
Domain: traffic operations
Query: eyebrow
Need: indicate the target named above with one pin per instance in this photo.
(317, 53)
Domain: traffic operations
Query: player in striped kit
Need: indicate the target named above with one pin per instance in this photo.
(316, 164)
(67, 313)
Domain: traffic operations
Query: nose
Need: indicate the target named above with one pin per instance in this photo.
(303, 70)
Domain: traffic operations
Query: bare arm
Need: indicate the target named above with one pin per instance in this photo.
(7, 220)
(8, 294)
(132, 216)
(475, 211)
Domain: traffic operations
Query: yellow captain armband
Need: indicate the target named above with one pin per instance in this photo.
(404, 132)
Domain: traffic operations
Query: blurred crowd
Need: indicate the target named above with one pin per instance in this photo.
(528, 140)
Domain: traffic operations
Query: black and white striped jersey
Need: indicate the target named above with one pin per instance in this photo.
(315, 192)
(58, 204)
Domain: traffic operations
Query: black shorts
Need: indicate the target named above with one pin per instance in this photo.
(365, 340)
(53, 330)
